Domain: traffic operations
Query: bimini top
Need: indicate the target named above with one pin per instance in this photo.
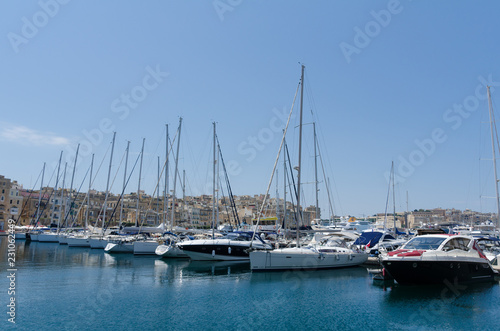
(372, 238)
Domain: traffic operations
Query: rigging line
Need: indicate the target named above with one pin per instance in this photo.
(27, 200)
(277, 158)
(224, 199)
(123, 191)
(171, 143)
(48, 199)
(292, 178)
(230, 191)
(148, 207)
(42, 195)
(332, 209)
(100, 165)
(76, 198)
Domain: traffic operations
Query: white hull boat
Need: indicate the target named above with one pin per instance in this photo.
(145, 247)
(120, 247)
(170, 251)
(306, 258)
(48, 237)
(62, 238)
(78, 241)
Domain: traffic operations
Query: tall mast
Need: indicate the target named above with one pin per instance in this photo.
(40, 195)
(139, 185)
(318, 216)
(107, 184)
(393, 197)
(494, 157)
(284, 187)
(213, 189)
(299, 219)
(124, 183)
(88, 194)
(175, 172)
(165, 205)
(55, 189)
(277, 198)
(61, 214)
(71, 199)
(158, 194)
(183, 194)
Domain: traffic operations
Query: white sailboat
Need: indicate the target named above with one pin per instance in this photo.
(325, 255)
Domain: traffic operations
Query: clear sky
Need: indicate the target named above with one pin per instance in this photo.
(400, 81)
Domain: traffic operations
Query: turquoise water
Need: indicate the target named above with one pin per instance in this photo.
(62, 288)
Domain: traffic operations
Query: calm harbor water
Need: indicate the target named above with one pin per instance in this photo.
(63, 288)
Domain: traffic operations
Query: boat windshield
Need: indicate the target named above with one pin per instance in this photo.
(424, 243)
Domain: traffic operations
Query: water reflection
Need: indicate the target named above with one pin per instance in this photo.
(39, 255)
(338, 274)
(399, 293)
(217, 268)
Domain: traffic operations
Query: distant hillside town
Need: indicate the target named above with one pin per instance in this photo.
(58, 206)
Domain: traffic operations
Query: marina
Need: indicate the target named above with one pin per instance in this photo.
(64, 288)
(234, 165)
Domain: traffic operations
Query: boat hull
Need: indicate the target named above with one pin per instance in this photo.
(303, 259)
(414, 272)
(78, 242)
(48, 238)
(213, 256)
(170, 252)
(62, 238)
(119, 247)
(147, 247)
(223, 249)
(98, 243)
(20, 235)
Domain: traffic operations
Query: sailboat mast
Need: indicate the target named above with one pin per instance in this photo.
(284, 187)
(88, 194)
(165, 205)
(299, 219)
(494, 156)
(40, 195)
(124, 183)
(61, 214)
(213, 188)
(175, 172)
(55, 188)
(158, 194)
(107, 184)
(393, 196)
(278, 212)
(139, 185)
(71, 199)
(183, 195)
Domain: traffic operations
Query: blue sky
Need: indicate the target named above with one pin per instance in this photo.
(386, 81)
